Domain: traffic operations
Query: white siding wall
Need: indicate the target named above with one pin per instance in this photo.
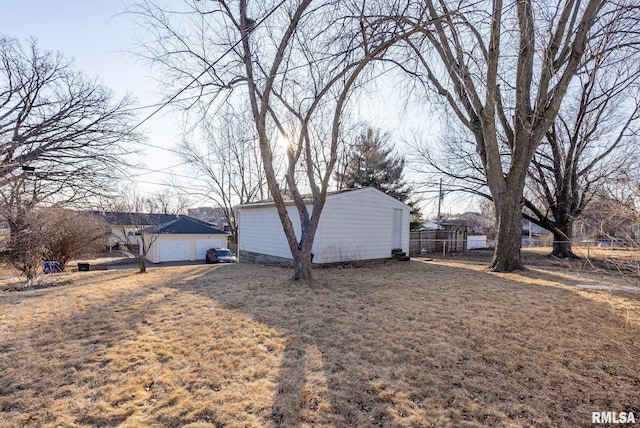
(358, 225)
(203, 244)
(477, 241)
(260, 231)
(119, 234)
(355, 225)
(174, 248)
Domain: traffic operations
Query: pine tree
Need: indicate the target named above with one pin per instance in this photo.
(371, 162)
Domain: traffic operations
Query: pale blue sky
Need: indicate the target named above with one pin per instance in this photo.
(91, 32)
(98, 36)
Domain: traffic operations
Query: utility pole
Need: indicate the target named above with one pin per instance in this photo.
(439, 202)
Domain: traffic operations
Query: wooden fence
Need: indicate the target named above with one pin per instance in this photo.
(438, 241)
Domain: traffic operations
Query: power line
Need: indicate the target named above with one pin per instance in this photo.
(214, 63)
(168, 149)
(160, 106)
(177, 186)
(164, 170)
(161, 170)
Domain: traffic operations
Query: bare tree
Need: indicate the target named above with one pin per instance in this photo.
(617, 210)
(229, 163)
(61, 134)
(136, 227)
(27, 247)
(590, 142)
(335, 64)
(168, 201)
(57, 235)
(593, 141)
(505, 85)
(296, 65)
(68, 234)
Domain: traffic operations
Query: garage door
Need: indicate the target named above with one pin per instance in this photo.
(170, 250)
(202, 245)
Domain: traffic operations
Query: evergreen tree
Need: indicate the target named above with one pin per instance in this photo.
(371, 162)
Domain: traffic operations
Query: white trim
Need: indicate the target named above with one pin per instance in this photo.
(348, 192)
(340, 194)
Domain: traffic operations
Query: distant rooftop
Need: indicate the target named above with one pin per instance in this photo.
(187, 226)
(163, 224)
(140, 219)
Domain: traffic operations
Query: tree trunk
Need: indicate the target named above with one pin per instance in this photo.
(17, 223)
(302, 260)
(507, 257)
(142, 258)
(562, 241)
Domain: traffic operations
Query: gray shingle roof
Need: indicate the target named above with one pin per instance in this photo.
(161, 224)
(137, 219)
(187, 226)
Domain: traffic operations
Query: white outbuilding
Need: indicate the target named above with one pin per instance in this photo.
(358, 224)
(171, 237)
(185, 238)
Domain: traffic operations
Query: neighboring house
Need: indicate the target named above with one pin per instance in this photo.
(213, 216)
(125, 223)
(205, 213)
(529, 227)
(175, 238)
(604, 227)
(451, 237)
(448, 223)
(360, 224)
(429, 225)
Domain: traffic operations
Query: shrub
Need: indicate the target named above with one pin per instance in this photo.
(26, 252)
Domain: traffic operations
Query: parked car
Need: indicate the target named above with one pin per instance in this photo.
(220, 255)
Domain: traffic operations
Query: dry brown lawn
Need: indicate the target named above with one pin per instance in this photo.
(439, 343)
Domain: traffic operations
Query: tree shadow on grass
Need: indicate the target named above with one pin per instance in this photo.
(409, 344)
(45, 282)
(95, 353)
(436, 345)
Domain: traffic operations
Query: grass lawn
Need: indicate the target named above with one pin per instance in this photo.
(440, 343)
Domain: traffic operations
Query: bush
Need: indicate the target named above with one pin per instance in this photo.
(26, 252)
(69, 234)
(55, 234)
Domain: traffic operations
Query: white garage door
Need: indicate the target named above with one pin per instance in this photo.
(202, 245)
(170, 250)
